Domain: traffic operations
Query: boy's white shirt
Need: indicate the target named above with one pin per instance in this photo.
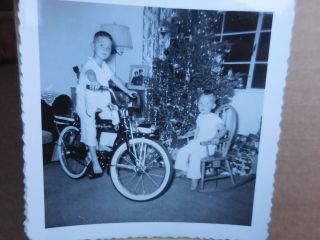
(103, 76)
(103, 73)
(207, 125)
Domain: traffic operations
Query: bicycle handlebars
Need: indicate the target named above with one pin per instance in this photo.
(117, 102)
(103, 88)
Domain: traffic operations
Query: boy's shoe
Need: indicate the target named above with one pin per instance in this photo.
(94, 174)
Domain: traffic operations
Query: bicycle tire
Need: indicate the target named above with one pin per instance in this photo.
(158, 170)
(72, 153)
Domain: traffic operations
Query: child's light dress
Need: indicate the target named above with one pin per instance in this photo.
(189, 157)
(88, 101)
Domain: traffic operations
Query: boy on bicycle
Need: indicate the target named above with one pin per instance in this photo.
(90, 99)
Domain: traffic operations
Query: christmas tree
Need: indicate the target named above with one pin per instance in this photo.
(191, 62)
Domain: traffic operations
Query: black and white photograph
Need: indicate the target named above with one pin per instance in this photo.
(138, 75)
(154, 115)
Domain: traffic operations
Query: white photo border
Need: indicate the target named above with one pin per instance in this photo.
(270, 132)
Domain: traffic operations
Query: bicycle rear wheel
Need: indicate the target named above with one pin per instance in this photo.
(72, 153)
(142, 172)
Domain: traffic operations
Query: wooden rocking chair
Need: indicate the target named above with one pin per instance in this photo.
(217, 166)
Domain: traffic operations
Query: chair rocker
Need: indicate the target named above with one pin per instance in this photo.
(217, 166)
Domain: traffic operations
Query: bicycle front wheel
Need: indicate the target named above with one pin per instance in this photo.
(142, 172)
(72, 153)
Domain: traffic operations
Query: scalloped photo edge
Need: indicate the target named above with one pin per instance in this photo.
(54, 35)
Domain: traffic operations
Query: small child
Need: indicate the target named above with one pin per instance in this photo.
(96, 73)
(209, 126)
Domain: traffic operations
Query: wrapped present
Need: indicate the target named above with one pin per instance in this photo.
(244, 154)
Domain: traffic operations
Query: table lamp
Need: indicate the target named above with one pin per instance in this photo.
(120, 34)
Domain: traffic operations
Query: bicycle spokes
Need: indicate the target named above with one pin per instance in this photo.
(145, 173)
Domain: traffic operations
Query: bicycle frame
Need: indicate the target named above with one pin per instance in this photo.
(125, 132)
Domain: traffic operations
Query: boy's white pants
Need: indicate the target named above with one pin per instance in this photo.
(88, 103)
(189, 158)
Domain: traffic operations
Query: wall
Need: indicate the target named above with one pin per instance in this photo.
(249, 104)
(65, 32)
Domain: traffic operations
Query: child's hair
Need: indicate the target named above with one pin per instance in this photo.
(108, 35)
(209, 93)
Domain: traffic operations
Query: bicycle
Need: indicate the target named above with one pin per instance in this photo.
(139, 165)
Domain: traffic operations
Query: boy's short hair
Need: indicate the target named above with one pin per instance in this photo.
(107, 35)
(208, 93)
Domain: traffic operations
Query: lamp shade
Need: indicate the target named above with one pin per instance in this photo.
(120, 34)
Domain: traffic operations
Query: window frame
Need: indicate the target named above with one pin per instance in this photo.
(252, 62)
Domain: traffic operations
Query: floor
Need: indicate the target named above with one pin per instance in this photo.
(89, 201)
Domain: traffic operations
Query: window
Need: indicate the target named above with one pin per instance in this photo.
(249, 33)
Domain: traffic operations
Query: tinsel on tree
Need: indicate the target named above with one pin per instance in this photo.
(191, 62)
